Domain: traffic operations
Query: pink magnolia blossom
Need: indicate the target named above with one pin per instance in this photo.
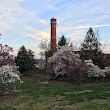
(66, 62)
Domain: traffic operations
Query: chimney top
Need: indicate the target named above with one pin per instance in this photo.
(53, 18)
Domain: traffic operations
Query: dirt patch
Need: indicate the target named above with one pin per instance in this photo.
(50, 103)
(46, 82)
(79, 92)
(89, 105)
(108, 92)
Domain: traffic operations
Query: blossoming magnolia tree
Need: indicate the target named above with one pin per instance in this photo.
(8, 70)
(94, 71)
(9, 74)
(66, 62)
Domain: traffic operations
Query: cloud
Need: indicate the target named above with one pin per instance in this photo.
(29, 20)
(105, 46)
(35, 33)
(12, 15)
(42, 21)
(78, 17)
(87, 26)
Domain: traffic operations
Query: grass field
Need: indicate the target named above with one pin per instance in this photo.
(33, 95)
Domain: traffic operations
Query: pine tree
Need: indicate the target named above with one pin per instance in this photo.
(62, 41)
(31, 59)
(91, 41)
(91, 48)
(25, 59)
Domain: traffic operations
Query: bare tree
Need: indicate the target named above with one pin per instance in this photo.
(44, 46)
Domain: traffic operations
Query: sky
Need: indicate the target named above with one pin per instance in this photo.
(26, 22)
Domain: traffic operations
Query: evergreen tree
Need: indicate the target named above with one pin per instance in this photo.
(25, 59)
(91, 48)
(91, 41)
(62, 41)
(31, 59)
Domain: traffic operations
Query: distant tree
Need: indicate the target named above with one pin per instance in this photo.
(91, 48)
(44, 46)
(44, 49)
(25, 59)
(63, 41)
(91, 41)
(31, 59)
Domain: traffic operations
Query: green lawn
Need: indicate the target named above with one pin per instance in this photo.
(57, 96)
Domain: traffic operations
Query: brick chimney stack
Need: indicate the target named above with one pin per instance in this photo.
(53, 34)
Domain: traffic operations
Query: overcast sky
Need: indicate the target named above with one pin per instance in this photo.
(26, 22)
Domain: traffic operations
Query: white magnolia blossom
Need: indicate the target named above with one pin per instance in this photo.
(62, 58)
(107, 69)
(94, 70)
(9, 74)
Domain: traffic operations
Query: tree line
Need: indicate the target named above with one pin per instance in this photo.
(90, 49)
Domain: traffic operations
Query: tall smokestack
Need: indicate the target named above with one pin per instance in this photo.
(53, 34)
